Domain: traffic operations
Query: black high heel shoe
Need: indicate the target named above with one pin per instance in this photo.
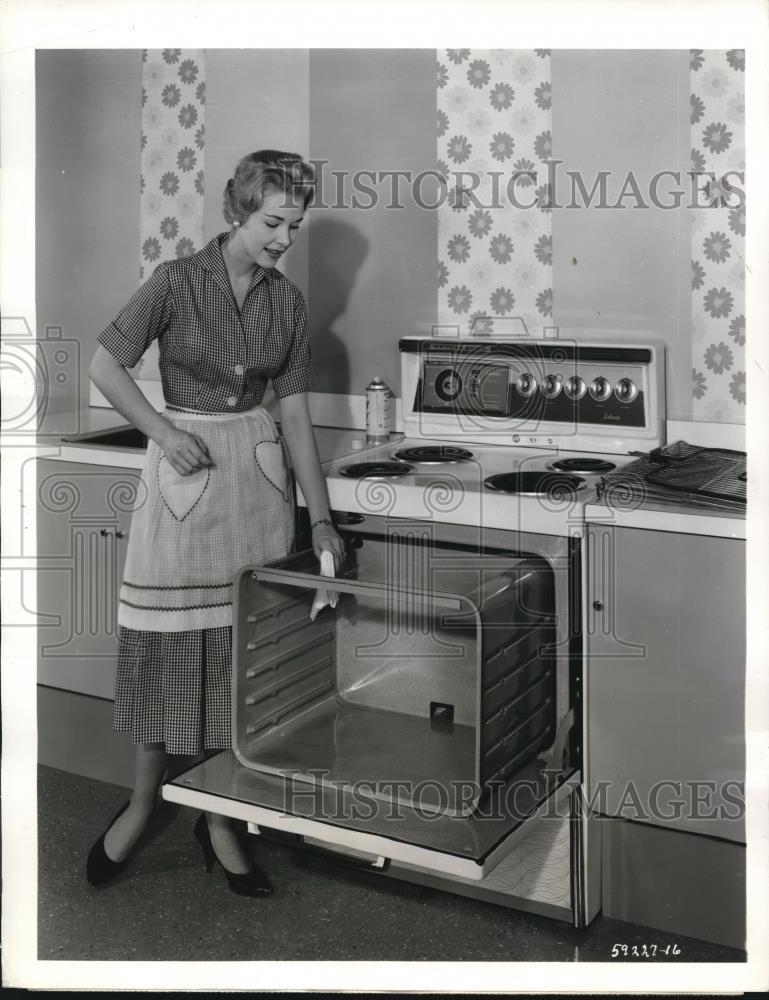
(254, 883)
(100, 868)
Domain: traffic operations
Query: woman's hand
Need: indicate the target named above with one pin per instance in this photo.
(325, 538)
(186, 452)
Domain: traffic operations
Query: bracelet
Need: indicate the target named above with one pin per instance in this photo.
(322, 520)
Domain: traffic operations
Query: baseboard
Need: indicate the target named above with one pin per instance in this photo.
(673, 881)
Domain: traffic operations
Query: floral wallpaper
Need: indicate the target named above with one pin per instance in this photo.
(495, 242)
(494, 226)
(495, 248)
(717, 105)
(172, 164)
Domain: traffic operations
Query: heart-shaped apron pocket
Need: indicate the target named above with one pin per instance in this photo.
(269, 458)
(180, 493)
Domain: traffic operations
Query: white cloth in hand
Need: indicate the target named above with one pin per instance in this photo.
(324, 597)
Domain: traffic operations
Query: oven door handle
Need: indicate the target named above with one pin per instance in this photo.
(318, 849)
(379, 863)
(343, 586)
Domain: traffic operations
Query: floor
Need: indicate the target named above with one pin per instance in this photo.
(165, 906)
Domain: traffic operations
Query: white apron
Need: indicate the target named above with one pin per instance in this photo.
(190, 534)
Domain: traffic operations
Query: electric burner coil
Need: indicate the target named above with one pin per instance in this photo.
(376, 470)
(586, 465)
(435, 454)
(551, 484)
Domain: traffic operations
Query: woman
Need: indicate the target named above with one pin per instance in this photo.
(215, 482)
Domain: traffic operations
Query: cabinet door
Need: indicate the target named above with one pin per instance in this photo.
(666, 678)
(83, 519)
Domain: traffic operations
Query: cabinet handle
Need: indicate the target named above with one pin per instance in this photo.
(105, 532)
(597, 606)
(119, 534)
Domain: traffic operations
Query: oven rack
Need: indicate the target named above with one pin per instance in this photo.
(681, 474)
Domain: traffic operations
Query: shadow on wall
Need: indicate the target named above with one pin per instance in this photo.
(337, 251)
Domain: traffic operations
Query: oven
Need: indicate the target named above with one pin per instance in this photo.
(429, 726)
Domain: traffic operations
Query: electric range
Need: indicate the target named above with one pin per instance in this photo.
(514, 435)
(431, 725)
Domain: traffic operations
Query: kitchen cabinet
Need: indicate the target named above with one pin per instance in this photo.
(665, 703)
(666, 678)
(83, 520)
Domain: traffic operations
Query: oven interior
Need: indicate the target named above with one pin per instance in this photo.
(434, 678)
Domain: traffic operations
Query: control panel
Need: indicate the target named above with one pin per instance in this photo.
(546, 389)
(593, 395)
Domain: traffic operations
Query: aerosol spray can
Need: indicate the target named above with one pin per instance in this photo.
(378, 405)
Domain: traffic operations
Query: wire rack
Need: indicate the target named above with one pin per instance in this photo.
(707, 478)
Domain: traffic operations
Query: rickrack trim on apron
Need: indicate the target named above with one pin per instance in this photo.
(186, 535)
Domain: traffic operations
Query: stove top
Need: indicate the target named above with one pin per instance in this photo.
(498, 486)
(410, 456)
(509, 434)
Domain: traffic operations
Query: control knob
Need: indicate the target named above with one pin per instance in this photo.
(600, 389)
(575, 387)
(626, 390)
(551, 386)
(526, 384)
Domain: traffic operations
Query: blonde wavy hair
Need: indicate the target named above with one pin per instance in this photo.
(267, 169)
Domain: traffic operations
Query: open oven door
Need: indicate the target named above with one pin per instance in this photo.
(413, 730)
(522, 856)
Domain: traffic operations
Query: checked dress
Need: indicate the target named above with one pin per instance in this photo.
(190, 534)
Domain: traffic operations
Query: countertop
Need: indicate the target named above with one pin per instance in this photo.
(336, 442)
(628, 505)
(333, 442)
(669, 517)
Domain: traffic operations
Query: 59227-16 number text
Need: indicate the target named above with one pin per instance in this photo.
(643, 950)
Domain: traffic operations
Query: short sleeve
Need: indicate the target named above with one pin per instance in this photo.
(297, 373)
(141, 321)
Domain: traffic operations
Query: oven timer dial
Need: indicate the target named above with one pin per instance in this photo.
(448, 385)
(551, 386)
(626, 390)
(600, 389)
(526, 384)
(575, 387)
